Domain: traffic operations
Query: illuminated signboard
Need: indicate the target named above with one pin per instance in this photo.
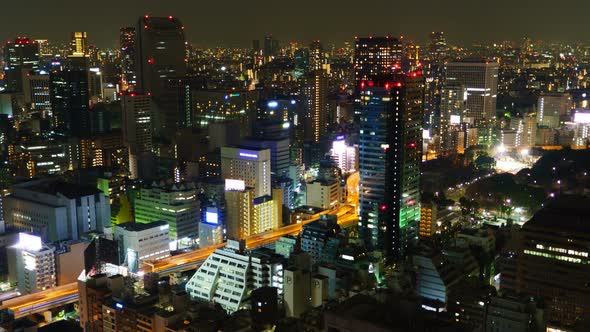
(29, 242)
(248, 155)
(455, 119)
(340, 137)
(273, 104)
(211, 216)
(580, 117)
(231, 184)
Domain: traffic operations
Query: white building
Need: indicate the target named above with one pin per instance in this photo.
(229, 275)
(32, 264)
(550, 107)
(249, 165)
(323, 194)
(211, 228)
(345, 156)
(142, 242)
(56, 210)
(581, 129)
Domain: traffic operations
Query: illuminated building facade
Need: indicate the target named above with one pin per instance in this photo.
(452, 109)
(32, 264)
(345, 156)
(551, 107)
(376, 56)
(212, 106)
(229, 276)
(553, 260)
(137, 127)
(142, 242)
(176, 203)
(249, 165)
(127, 45)
(78, 43)
(20, 57)
(480, 78)
(389, 162)
(323, 194)
(315, 94)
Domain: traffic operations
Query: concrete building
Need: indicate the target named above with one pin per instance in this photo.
(323, 194)
(480, 78)
(31, 264)
(211, 228)
(551, 107)
(142, 242)
(435, 277)
(229, 275)
(345, 156)
(56, 210)
(316, 236)
(93, 292)
(175, 203)
(512, 313)
(280, 157)
(137, 126)
(253, 166)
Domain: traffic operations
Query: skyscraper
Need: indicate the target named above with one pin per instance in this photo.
(251, 165)
(20, 56)
(452, 108)
(78, 43)
(389, 161)
(480, 78)
(137, 128)
(375, 56)
(438, 46)
(315, 99)
(316, 56)
(127, 44)
(552, 106)
(160, 55)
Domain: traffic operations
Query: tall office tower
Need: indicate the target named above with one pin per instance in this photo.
(136, 109)
(437, 47)
(176, 204)
(230, 274)
(36, 92)
(389, 161)
(480, 78)
(280, 157)
(160, 55)
(271, 47)
(56, 210)
(31, 264)
(68, 93)
(452, 109)
(316, 56)
(127, 45)
(552, 260)
(20, 57)
(249, 165)
(434, 69)
(78, 43)
(376, 56)
(552, 106)
(315, 100)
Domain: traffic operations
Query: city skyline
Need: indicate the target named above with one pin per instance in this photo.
(216, 24)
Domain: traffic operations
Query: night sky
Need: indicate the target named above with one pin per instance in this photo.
(237, 22)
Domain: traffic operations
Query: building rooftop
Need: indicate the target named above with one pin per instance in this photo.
(566, 213)
(138, 227)
(55, 186)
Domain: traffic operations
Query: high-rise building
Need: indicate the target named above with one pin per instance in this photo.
(36, 92)
(78, 45)
(389, 161)
(552, 260)
(453, 100)
(160, 55)
(271, 48)
(160, 52)
(345, 156)
(247, 215)
(249, 165)
(315, 101)
(32, 264)
(316, 56)
(137, 128)
(280, 158)
(20, 57)
(323, 194)
(176, 203)
(376, 56)
(229, 275)
(438, 46)
(69, 96)
(551, 107)
(480, 78)
(57, 210)
(127, 45)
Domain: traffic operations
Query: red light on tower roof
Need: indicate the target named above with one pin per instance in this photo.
(399, 84)
(362, 85)
(145, 26)
(151, 61)
(146, 16)
(171, 17)
(371, 83)
(383, 207)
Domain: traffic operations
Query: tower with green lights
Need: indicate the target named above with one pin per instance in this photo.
(390, 153)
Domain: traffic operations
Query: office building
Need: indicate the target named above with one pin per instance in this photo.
(315, 121)
(389, 162)
(552, 260)
(480, 79)
(315, 237)
(345, 156)
(453, 99)
(137, 127)
(438, 46)
(323, 194)
(513, 313)
(551, 107)
(31, 264)
(175, 203)
(280, 157)
(435, 278)
(127, 46)
(93, 292)
(21, 56)
(229, 275)
(376, 56)
(78, 45)
(56, 210)
(211, 228)
(253, 166)
(142, 242)
(36, 92)
(316, 56)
